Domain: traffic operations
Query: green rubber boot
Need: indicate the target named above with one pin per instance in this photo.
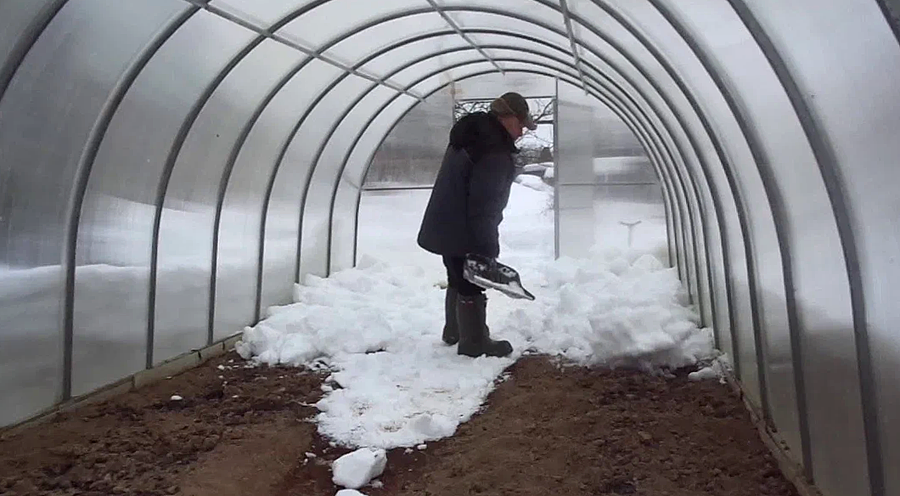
(451, 329)
(474, 335)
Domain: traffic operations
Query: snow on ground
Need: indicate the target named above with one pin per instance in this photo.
(377, 327)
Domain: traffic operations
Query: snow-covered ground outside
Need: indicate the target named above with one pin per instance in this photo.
(377, 327)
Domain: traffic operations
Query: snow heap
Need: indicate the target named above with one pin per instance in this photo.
(356, 469)
(395, 384)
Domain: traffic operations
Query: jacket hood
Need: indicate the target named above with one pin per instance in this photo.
(481, 132)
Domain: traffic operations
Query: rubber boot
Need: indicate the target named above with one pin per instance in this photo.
(474, 336)
(451, 329)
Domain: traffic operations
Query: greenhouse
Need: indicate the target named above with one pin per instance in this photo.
(212, 278)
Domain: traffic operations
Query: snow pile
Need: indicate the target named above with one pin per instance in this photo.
(349, 492)
(356, 469)
(397, 385)
(718, 369)
(377, 327)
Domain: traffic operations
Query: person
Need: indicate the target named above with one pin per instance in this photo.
(465, 210)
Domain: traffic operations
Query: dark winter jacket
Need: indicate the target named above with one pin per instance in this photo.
(471, 189)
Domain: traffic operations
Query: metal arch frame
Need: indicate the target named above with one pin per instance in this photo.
(693, 232)
(664, 177)
(826, 158)
(359, 29)
(463, 35)
(738, 198)
(625, 54)
(272, 34)
(649, 146)
(297, 14)
(736, 194)
(891, 11)
(607, 100)
(163, 186)
(83, 172)
(676, 233)
(569, 31)
(391, 128)
(700, 157)
(725, 163)
(776, 206)
(23, 46)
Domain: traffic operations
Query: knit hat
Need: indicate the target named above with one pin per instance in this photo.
(513, 103)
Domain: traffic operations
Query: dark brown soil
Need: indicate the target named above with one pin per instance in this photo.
(232, 428)
(545, 430)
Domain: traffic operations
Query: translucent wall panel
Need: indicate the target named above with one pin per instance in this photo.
(317, 27)
(376, 38)
(813, 244)
(188, 218)
(574, 180)
(494, 85)
(266, 12)
(344, 225)
(411, 154)
(115, 233)
(239, 228)
(281, 211)
(389, 222)
(292, 182)
(329, 164)
(17, 21)
(57, 83)
(858, 115)
(402, 54)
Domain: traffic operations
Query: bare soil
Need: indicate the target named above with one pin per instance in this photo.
(546, 429)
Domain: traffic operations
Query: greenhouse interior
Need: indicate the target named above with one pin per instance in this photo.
(211, 280)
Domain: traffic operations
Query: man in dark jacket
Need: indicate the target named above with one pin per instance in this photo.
(465, 210)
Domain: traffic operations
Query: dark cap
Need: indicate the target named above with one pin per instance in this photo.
(515, 104)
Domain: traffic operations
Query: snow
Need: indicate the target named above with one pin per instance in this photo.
(349, 492)
(354, 470)
(716, 370)
(377, 327)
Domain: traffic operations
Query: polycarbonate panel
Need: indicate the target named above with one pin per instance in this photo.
(524, 45)
(291, 184)
(401, 55)
(188, 217)
(494, 85)
(779, 369)
(317, 28)
(281, 222)
(115, 234)
(239, 227)
(358, 46)
(620, 38)
(65, 80)
(394, 241)
(850, 87)
(15, 20)
(328, 169)
(684, 216)
(480, 20)
(814, 244)
(344, 226)
(700, 197)
(411, 154)
(435, 64)
(266, 12)
(747, 348)
(574, 180)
